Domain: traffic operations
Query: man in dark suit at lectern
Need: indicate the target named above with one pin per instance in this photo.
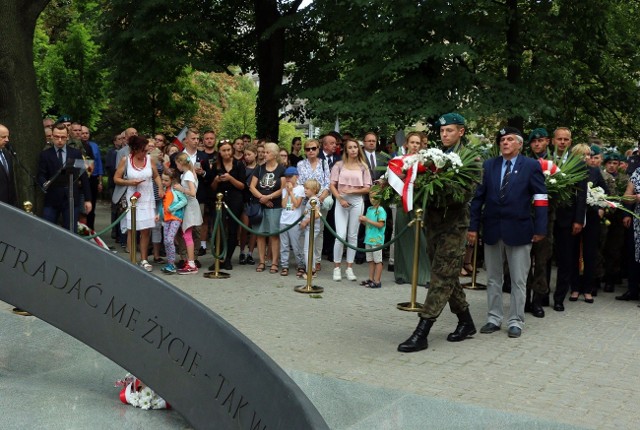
(7, 177)
(56, 200)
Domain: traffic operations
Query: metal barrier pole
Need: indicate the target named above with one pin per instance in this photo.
(28, 208)
(217, 274)
(308, 288)
(132, 228)
(473, 285)
(413, 306)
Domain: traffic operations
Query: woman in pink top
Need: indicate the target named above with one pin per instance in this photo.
(350, 182)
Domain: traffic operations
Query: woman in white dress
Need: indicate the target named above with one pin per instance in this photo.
(137, 173)
(192, 215)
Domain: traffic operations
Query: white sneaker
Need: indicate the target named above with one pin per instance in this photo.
(350, 275)
(145, 265)
(337, 276)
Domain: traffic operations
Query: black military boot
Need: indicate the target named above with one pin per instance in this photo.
(536, 306)
(418, 340)
(527, 301)
(464, 329)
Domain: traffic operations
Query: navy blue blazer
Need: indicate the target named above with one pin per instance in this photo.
(57, 194)
(336, 158)
(8, 192)
(510, 219)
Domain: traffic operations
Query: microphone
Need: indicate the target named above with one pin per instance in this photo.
(11, 150)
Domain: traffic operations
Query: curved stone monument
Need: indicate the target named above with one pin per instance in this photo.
(206, 369)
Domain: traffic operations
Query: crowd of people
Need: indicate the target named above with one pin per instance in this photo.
(266, 189)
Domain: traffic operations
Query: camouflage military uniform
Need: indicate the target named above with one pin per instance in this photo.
(541, 253)
(612, 251)
(446, 238)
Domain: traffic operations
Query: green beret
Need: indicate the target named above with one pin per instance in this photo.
(612, 156)
(451, 118)
(596, 150)
(63, 118)
(537, 134)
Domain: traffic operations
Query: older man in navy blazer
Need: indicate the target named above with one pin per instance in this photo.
(503, 204)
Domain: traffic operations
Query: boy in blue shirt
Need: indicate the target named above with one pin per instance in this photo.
(374, 221)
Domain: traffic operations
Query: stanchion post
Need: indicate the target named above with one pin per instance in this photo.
(413, 306)
(217, 274)
(473, 285)
(134, 233)
(28, 208)
(308, 288)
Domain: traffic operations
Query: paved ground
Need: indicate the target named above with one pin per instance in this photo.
(576, 368)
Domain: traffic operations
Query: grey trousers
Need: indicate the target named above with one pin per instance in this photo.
(519, 259)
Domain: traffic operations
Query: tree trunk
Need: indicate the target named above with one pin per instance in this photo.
(514, 53)
(270, 61)
(19, 99)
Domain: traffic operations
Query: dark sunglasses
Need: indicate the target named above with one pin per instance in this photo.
(314, 148)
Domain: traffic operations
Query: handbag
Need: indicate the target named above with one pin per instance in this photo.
(327, 203)
(122, 204)
(253, 210)
(119, 205)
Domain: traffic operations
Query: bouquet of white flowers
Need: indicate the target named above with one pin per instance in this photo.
(430, 177)
(136, 394)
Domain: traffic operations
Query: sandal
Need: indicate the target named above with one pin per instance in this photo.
(467, 270)
(274, 268)
(313, 275)
(260, 267)
(300, 272)
(284, 272)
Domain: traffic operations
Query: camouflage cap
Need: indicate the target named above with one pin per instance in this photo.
(537, 134)
(451, 118)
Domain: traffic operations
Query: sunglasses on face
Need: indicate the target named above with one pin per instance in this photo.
(313, 148)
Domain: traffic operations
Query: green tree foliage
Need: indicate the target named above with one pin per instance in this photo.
(69, 67)
(151, 47)
(545, 63)
(239, 116)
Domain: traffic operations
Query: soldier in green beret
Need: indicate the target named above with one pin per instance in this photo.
(539, 276)
(446, 231)
(614, 241)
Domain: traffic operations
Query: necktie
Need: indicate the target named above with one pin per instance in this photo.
(330, 160)
(4, 162)
(372, 161)
(505, 180)
(60, 156)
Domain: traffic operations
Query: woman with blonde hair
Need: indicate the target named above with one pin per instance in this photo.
(266, 186)
(314, 167)
(192, 215)
(350, 181)
(585, 245)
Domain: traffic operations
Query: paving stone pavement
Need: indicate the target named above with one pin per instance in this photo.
(578, 367)
(572, 369)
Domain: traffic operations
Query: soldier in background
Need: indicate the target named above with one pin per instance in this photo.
(614, 239)
(541, 251)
